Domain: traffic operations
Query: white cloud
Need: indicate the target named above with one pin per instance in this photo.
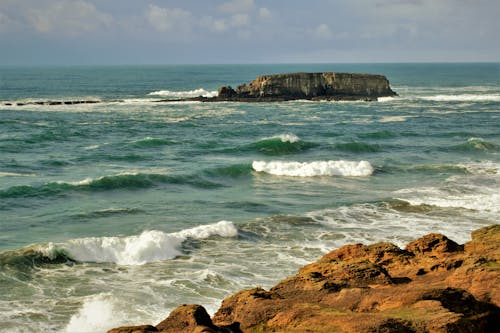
(168, 19)
(237, 6)
(323, 31)
(67, 17)
(264, 14)
(214, 25)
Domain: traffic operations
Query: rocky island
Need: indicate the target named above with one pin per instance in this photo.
(433, 285)
(307, 86)
(328, 86)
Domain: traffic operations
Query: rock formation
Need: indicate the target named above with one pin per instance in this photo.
(433, 285)
(311, 86)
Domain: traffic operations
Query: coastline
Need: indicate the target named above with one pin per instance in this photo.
(433, 285)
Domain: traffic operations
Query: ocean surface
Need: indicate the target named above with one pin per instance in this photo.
(116, 212)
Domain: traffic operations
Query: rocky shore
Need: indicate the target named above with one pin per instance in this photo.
(433, 285)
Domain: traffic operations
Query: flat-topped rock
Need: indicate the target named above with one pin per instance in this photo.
(309, 86)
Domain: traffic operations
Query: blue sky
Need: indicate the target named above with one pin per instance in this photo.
(34, 32)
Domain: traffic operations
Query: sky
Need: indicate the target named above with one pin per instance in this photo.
(92, 32)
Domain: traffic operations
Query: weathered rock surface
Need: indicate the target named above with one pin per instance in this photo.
(311, 86)
(433, 285)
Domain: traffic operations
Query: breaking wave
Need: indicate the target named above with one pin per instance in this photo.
(316, 168)
(463, 98)
(184, 94)
(475, 144)
(149, 246)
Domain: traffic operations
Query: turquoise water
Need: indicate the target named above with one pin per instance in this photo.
(116, 212)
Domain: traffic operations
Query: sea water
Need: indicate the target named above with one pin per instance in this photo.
(116, 212)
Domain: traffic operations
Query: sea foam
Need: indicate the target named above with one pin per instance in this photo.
(149, 246)
(315, 168)
(463, 98)
(184, 94)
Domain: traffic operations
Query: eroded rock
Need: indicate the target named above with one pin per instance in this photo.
(434, 285)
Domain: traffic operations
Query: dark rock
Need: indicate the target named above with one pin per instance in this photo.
(134, 329)
(327, 85)
(226, 92)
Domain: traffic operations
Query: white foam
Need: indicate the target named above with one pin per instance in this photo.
(386, 99)
(315, 168)
(188, 93)
(14, 174)
(463, 98)
(288, 137)
(484, 201)
(477, 190)
(147, 247)
(97, 314)
(390, 119)
(482, 168)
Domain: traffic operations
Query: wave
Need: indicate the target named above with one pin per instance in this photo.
(184, 94)
(475, 144)
(316, 168)
(151, 142)
(386, 99)
(282, 144)
(378, 135)
(120, 181)
(463, 98)
(149, 246)
(103, 213)
(429, 196)
(233, 171)
(358, 147)
(15, 174)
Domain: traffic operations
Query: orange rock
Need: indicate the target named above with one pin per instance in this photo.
(434, 285)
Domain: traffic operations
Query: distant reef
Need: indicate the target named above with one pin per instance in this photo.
(434, 285)
(307, 86)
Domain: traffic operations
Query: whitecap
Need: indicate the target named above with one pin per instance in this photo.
(97, 314)
(315, 168)
(463, 98)
(386, 99)
(184, 94)
(292, 138)
(149, 246)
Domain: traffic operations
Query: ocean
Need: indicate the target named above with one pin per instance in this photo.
(114, 213)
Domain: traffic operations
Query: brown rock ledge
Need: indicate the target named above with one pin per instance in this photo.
(433, 285)
(307, 86)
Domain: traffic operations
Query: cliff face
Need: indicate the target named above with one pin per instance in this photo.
(315, 86)
(434, 285)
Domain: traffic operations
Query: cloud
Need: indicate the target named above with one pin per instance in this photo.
(264, 14)
(240, 20)
(213, 25)
(70, 18)
(167, 19)
(237, 6)
(323, 31)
